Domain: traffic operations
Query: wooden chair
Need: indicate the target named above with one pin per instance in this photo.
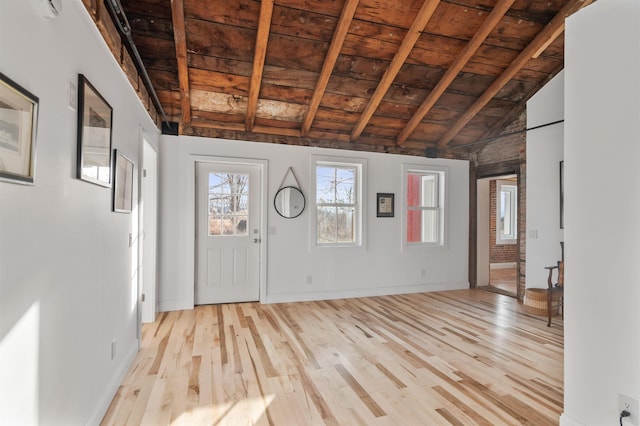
(555, 289)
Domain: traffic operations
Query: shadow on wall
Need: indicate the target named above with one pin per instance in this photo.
(19, 369)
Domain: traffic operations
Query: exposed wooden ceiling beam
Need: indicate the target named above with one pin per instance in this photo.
(348, 10)
(515, 112)
(555, 35)
(288, 133)
(551, 39)
(540, 40)
(315, 139)
(469, 50)
(264, 24)
(179, 34)
(496, 132)
(277, 131)
(211, 124)
(399, 59)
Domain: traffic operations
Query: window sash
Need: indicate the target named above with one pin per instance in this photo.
(424, 204)
(342, 227)
(332, 196)
(506, 213)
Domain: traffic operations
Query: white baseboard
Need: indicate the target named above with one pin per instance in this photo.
(364, 292)
(174, 305)
(568, 421)
(334, 294)
(505, 265)
(116, 380)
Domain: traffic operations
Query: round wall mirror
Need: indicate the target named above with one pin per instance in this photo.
(289, 202)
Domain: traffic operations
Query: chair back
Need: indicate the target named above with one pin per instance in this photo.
(561, 273)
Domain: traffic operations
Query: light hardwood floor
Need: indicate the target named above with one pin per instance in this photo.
(459, 357)
(504, 281)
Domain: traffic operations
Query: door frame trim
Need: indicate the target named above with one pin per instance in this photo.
(151, 293)
(190, 248)
(512, 167)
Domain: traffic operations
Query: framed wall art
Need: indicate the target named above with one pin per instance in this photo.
(94, 135)
(18, 123)
(122, 184)
(385, 205)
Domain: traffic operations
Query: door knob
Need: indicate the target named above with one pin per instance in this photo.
(257, 240)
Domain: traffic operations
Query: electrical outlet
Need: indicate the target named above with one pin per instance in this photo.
(423, 272)
(113, 349)
(309, 279)
(631, 405)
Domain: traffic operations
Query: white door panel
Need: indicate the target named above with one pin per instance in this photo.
(214, 267)
(228, 232)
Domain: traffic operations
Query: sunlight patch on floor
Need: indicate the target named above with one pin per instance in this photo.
(244, 412)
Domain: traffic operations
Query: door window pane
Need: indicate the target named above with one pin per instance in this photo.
(228, 204)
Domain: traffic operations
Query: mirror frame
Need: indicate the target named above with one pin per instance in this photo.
(275, 204)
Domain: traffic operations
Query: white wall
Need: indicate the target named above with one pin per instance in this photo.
(484, 229)
(602, 181)
(67, 288)
(545, 150)
(381, 268)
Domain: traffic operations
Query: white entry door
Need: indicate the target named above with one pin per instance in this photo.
(228, 233)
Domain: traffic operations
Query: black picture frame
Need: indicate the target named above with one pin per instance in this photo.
(562, 195)
(289, 202)
(385, 204)
(123, 179)
(95, 119)
(18, 125)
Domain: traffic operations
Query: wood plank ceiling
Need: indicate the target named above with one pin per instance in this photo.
(379, 75)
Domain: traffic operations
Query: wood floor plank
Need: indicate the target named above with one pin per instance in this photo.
(467, 357)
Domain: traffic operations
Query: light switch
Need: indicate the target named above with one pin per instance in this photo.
(73, 96)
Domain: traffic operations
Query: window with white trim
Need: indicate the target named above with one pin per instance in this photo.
(424, 214)
(506, 212)
(338, 199)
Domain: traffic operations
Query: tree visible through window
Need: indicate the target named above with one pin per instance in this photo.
(336, 204)
(228, 203)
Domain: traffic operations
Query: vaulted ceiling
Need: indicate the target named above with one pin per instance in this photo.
(390, 75)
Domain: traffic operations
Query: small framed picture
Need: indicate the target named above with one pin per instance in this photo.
(385, 205)
(122, 184)
(94, 135)
(18, 123)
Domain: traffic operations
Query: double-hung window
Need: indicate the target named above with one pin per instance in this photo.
(507, 212)
(338, 209)
(424, 207)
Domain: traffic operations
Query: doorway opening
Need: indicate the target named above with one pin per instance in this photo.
(497, 240)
